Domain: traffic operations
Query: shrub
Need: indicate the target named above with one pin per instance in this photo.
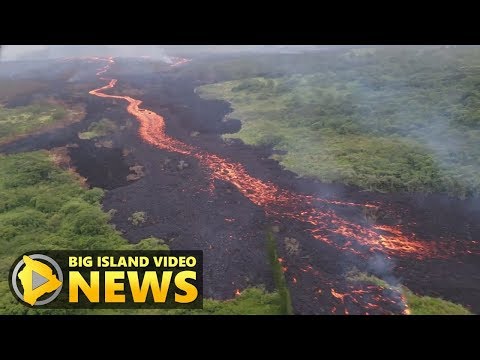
(94, 195)
(89, 223)
(74, 206)
(46, 203)
(7, 232)
(26, 171)
(151, 243)
(138, 217)
(111, 213)
(98, 129)
(25, 219)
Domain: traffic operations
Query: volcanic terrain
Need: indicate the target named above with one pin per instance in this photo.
(201, 192)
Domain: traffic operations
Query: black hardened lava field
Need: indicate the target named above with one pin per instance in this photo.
(199, 191)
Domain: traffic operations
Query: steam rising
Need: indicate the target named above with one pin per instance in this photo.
(378, 264)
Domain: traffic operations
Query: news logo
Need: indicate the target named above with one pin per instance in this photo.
(39, 275)
(109, 279)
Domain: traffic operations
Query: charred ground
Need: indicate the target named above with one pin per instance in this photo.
(229, 228)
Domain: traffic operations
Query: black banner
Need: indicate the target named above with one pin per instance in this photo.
(144, 279)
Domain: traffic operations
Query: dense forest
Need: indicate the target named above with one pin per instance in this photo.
(385, 119)
(43, 206)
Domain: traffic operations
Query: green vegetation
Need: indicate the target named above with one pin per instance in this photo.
(137, 218)
(418, 305)
(426, 305)
(384, 119)
(23, 120)
(43, 207)
(98, 129)
(278, 277)
(252, 301)
(151, 243)
(366, 278)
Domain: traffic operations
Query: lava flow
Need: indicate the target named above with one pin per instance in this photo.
(323, 224)
(275, 201)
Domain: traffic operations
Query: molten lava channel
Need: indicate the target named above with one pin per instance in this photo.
(323, 224)
(274, 200)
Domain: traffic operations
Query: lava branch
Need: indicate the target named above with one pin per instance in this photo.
(324, 224)
(348, 297)
(274, 200)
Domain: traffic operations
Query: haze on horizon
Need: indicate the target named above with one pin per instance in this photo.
(162, 52)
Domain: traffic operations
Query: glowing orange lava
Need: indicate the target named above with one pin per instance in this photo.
(406, 311)
(274, 200)
(338, 295)
(324, 224)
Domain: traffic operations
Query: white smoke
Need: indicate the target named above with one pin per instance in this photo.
(148, 51)
(157, 52)
(16, 52)
(42, 52)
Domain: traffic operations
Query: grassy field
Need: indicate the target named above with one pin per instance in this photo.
(252, 301)
(98, 129)
(20, 121)
(382, 119)
(45, 207)
(418, 305)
